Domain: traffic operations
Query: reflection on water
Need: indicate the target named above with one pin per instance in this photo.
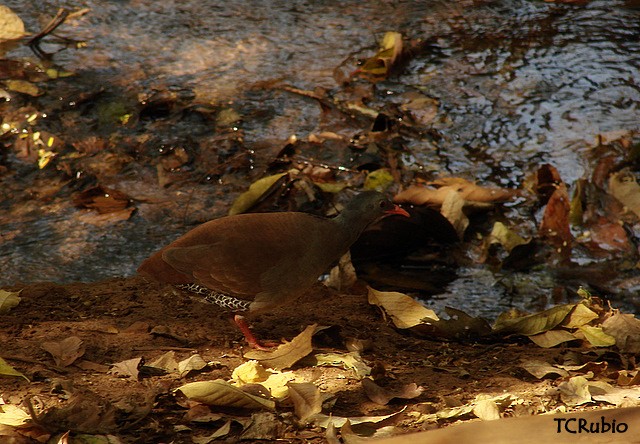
(518, 82)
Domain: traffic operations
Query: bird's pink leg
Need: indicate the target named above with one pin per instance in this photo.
(248, 335)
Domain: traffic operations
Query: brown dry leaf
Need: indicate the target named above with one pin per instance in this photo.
(551, 338)
(555, 221)
(193, 362)
(626, 377)
(422, 109)
(472, 192)
(8, 300)
(220, 392)
(324, 421)
(127, 368)
(405, 312)
(609, 236)
(165, 362)
(65, 352)
(102, 199)
(288, 353)
(84, 412)
(220, 433)
(306, 398)
(263, 426)
(623, 186)
(382, 396)
(625, 328)
(532, 324)
(541, 369)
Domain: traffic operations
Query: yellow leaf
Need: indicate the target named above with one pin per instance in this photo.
(7, 370)
(551, 338)
(504, 236)
(221, 393)
(623, 186)
(288, 353)
(405, 312)
(596, 336)
(11, 415)
(247, 199)
(11, 26)
(534, 323)
(579, 316)
(8, 300)
(378, 180)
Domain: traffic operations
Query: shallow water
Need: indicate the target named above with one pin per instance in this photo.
(519, 83)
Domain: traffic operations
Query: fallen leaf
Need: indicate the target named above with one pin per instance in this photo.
(378, 66)
(541, 369)
(306, 398)
(623, 186)
(23, 87)
(555, 221)
(287, 354)
(506, 237)
(263, 426)
(620, 396)
(596, 336)
(8, 300)
(405, 312)
(7, 370)
(221, 432)
(486, 410)
(324, 421)
(350, 361)
(104, 200)
(193, 362)
(625, 328)
(65, 352)
(378, 180)
(452, 209)
(382, 395)
(13, 416)
(165, 362)
(219, 392)
(579, 316)
(127, 368)
(575, 391)
(247, 199)
(626, 377)
(11, 25)
(551, 338)
(250, 372)
(459, 326)
(534, 323)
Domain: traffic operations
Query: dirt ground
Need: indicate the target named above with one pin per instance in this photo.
(129, 318)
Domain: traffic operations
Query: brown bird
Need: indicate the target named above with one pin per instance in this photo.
(259, 261)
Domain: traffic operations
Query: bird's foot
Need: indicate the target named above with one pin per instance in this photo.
(250, 337)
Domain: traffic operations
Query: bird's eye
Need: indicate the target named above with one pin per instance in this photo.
(383, 204)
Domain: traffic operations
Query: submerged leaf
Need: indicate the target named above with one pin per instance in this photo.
(624, 187)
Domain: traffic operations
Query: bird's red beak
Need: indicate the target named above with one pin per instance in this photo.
(397, 210)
